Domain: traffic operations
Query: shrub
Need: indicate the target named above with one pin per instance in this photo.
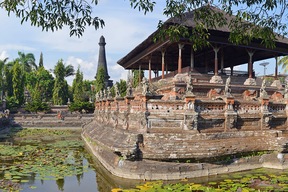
(80, 106)
(12, 104)
(36, 106)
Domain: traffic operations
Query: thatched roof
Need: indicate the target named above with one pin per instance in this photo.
(233, 54)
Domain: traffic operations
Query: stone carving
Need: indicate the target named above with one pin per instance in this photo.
(117, 92)
(286, 89)
(250, 81)
(144, 120)
(263, 93)
(189, 85)
(230, 119)
(227, 90)
(104, 94)
(114, 117)
(109, 96)
(145, 86)
(97, 97)
(129, 91)
(266, 118)
(216, 79)
(191, 121)
(101, 94)
(126, 120)
(250, 95)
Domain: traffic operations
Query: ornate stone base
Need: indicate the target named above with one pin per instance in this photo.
(276, 83)
(216, 79)
(250, 81)
(180, 77)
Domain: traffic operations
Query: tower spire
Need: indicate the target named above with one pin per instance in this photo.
(102, 62)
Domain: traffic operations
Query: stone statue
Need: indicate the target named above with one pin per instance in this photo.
(129, 90)
(286, 89)
(97, 96)
(145, 86)
(263, 92)
(189, 85)
(191, 122)
(117, 93)
(108, 93)
(227, 90)
(104, 93)
(101, 94)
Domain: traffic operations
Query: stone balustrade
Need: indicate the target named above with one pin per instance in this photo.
(149, 114)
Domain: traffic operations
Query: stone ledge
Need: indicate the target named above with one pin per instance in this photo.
(155, 170)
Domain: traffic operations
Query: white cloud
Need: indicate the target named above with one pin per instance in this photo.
(3, 55)
(80, 62)
(16, 47)
(124, 29)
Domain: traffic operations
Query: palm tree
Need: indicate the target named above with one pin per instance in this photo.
(283, 62)
(27, 61)
(69, 70)
(2, 64)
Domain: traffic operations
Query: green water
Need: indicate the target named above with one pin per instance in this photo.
(48, 161)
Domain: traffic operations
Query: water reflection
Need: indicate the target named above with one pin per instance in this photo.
(106, 181)
(88, 175)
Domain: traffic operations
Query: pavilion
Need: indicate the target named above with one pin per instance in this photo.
(171, 58)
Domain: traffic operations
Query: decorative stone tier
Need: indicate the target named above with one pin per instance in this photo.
(109, 145)
(181, 145)
(184, 118)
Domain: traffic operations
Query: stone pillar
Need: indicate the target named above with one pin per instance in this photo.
(163, 62)
(180, 45)
(250, 80)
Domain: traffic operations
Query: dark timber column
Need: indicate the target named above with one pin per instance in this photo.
(250, 80)
(276, 82)
(250, 64)
(231, 70)
(216, 78)
(150, 70)
(163, 62)
(139, 75)
(276, 68)
(216, 49)
(192, 59)
(222, 60)
(180, 45)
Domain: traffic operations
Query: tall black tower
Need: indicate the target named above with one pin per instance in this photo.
(102, 62)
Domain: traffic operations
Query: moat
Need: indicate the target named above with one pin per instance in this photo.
(56, 160)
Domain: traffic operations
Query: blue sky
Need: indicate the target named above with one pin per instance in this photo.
(124, 29)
